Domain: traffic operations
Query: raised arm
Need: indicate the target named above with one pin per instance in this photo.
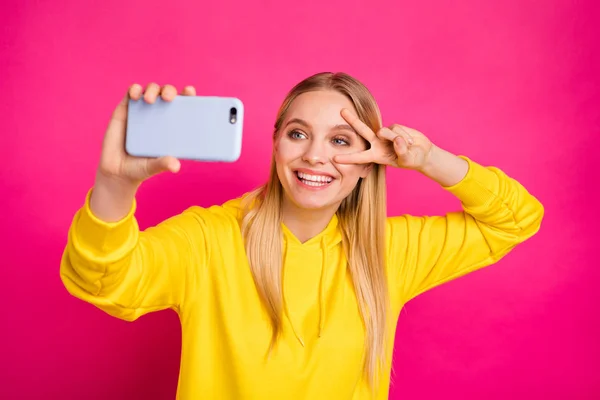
(498, 214)
(423, 252)
(108, 261)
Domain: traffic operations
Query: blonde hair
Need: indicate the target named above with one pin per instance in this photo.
(361, 220)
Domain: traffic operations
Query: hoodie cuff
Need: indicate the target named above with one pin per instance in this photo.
(479, 187)
(101, 236)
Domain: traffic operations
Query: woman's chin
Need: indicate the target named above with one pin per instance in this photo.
(314, 201)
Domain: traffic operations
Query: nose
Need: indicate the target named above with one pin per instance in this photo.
(315, 153)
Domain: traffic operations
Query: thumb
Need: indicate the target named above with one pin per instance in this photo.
(400, 146)
(156, 166)
(115, 134)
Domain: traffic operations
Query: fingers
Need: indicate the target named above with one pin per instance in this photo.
(120, 112)
(171, 164)
(168, 92)
(401, 139)
(360, 127)
(135, 91)
(404, 133)
(151, 92)
(155, 166)
(116, 126)
(363, 157)
(387, 133)
(400, 146)
(399, 136)
(189, 91)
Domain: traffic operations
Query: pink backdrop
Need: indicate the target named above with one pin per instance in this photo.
(513, 84)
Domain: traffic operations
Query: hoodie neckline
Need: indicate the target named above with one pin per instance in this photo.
(330, 236)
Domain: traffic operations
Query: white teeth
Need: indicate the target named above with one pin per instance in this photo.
(311, 183)
(322, 179)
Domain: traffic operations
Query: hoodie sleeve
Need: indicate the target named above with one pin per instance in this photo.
(127, 272)
(497, 214)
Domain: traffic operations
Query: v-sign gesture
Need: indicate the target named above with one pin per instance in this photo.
(398, 146)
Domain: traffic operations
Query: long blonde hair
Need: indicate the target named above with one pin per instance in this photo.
(361, 218)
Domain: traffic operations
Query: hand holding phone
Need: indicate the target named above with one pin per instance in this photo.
(115, 163)
(119, 174)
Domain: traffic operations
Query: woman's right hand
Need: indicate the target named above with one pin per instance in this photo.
(115, 163)
(119, 175)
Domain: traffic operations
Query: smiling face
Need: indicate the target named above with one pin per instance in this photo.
(312, 133)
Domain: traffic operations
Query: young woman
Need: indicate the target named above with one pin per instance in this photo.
(292, 291)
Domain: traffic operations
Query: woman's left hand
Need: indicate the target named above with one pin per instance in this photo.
(398, 146)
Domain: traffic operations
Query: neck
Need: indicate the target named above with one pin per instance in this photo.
(306, 224)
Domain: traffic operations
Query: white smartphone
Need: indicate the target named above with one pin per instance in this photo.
(201, 128)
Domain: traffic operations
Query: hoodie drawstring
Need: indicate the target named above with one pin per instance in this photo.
(322, 287)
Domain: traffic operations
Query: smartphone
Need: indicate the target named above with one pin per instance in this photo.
(200, 128)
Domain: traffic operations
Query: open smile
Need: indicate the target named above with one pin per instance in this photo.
(312, 180)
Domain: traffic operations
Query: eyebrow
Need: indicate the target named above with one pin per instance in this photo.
(339, 127)
(344, 127)
(298, 121)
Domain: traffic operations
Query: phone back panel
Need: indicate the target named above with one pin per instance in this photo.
(188, 127)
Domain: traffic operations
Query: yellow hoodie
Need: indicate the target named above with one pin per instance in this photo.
(195, 264)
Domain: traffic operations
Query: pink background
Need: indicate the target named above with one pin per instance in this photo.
(514, 84)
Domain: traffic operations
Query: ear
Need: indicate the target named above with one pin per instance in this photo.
(366, 170)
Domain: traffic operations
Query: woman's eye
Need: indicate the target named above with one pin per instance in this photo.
(341, 141)
(296, 135)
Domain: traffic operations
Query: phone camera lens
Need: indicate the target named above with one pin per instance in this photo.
(233, 115)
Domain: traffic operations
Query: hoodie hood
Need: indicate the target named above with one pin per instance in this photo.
(298, 256)
(306, 270)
